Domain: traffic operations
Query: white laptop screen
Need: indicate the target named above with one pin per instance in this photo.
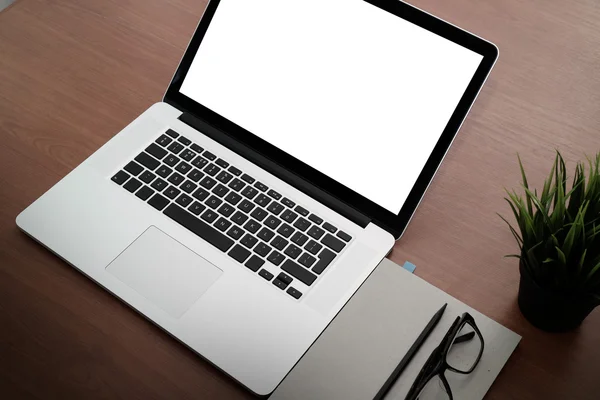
(349, 89)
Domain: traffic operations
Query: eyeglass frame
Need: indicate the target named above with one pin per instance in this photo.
(432, 368)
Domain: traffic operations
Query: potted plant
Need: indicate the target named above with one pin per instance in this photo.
(558, 232)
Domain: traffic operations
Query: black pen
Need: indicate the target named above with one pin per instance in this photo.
(410, 354)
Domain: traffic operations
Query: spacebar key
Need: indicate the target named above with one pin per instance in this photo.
(198, 227)
(299, 272)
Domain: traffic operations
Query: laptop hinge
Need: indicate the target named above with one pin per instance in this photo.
(276, 169)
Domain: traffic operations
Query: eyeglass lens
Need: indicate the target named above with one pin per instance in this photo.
(434, 390)
(464, 351)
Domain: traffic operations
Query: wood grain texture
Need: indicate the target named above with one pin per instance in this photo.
(75, 72)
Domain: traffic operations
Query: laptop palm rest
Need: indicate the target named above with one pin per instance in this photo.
(164, 271)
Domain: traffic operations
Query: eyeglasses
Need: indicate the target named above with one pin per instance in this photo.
(459, 351)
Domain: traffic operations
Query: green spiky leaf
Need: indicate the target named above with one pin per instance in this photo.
(558, 228)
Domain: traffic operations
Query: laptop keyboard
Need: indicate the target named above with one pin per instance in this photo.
(232, 211)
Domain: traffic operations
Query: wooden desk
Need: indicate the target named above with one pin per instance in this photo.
(75, 72)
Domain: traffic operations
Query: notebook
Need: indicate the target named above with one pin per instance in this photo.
(364, 343)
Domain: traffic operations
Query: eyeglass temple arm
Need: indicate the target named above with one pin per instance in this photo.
(464, 338)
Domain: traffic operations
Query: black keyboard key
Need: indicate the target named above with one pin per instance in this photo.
(171, 192)
(272, 222)
(249, 192)
(171, 160)
(195, 175)
(209, 155)
(184, 200)
(299, 238)
(246, 206)
(259, 214)
(209, 216)
(234, 171)
(274, 194)
(276, 258)
(208, 182)
(176, 179)
(285, 230)
(328, 227)
(292, 251)
(260, 186)
(313, 247)
(233, 198)
(265, 234)
(325, 258)
(301, 210)
(285, 278)
(158, 201)
(164, 171)
(262, 249)
(147, 177)
(235, 232)
(315, 232)
(265, 274)
(201, 194)
(344, 236)
(239, 254)
(156, 151)
(289, 216)
(294, 293)
(281, 285)
(198, 227)
(262, 200)
(307, 260)
(188, 186)
(185, 141)
(301, 224)
(172, 133)
(236, 185)
(226, 210)
(222, 224)
(239, 217)
(133, 168)
(224, 177)
(183, 167)
(333, 243)
(164, 140)
(279, 243)
(252, 226)
(199, 162)
(212, 169)
(275, 208)
(196, 208)
(187, 155)
(249, 241)
(159, 184)
(220, 190)
(175, 147)
(247, 178)
(222, 163)
(196, 148)
(254, 263)
(147, 161)
(213, 202)
(287, 202)
(316, 219)
(299, 272)
(132, 185)
(120, 177)
(144, 193)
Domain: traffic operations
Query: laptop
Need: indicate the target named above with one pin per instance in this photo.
(293, 145)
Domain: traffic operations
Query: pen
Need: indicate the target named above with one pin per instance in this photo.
(410, 354)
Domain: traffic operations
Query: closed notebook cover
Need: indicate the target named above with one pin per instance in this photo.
(364, 343)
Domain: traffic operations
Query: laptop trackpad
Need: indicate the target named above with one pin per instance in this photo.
(164, 271)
